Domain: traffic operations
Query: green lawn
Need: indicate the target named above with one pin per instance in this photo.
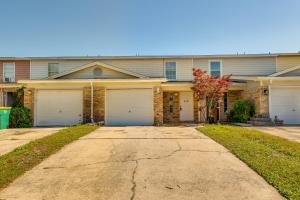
(276, 159)
(24, 158)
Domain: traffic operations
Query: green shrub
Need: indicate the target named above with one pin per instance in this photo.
(20, 117)
(242, 111)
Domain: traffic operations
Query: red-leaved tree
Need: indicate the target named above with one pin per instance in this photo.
(210, 89)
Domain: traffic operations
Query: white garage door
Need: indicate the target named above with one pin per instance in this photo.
(285, 103)
(58, 107)
(129, 107)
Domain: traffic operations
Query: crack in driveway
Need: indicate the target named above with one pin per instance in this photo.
(139, 159)
(136, 161)
(133, 180)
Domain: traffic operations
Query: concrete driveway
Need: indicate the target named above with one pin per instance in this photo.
(288, 132)
(13, 138)
(141, 163)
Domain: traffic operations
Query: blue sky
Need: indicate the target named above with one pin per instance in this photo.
(148, 27)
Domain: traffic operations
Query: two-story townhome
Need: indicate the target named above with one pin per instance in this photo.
(146, 90)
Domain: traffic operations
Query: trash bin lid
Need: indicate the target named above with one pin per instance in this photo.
(5, 108)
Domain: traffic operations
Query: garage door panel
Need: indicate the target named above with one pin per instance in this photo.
(285, 103)
(58, 107)
(129, 107)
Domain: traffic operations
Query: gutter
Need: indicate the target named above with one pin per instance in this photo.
(261, 78)
(137, 80)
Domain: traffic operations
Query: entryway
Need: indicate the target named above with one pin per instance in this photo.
(186, 106)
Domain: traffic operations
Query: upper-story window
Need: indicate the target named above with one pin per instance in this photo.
(9, 72)
(53, 69)
(171, 70)
(215, 68)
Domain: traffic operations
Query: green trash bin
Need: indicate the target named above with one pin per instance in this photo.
(4, 117)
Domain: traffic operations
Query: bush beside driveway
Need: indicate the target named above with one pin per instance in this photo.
(274, 158)
(24, 158)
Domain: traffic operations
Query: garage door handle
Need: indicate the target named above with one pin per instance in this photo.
(129, 111)
(294, 110)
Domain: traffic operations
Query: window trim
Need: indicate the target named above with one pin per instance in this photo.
(221, 66)
(57, 68)
(3, 72)
(165, 69)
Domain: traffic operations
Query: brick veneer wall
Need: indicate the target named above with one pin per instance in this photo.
(86, 104)
(232, 96)
(99, 104)
(256, 94)
(158, 106)
(29, 101)
(260, 99)
(168, 116)
(196, 109)
(202, 112)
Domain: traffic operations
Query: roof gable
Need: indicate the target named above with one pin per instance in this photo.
(105, 66)
(286, 71)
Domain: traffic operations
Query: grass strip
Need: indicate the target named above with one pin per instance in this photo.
(276, 159)
(24, 158)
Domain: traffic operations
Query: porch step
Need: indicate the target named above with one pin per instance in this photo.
(261, 120)
(260, 123)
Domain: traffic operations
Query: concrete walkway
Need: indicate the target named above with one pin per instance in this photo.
(141, 163)
(288, 132)
(13, 138)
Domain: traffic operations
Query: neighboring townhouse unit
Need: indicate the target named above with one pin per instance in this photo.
(146, 90)
(12, 70)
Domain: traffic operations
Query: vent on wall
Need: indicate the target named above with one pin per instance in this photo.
(97, 72)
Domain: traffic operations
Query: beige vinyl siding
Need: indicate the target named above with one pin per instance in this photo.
(249, 66)
(234, 66)
(183, 68)
(201, 63)
(285, 62)
(39, 69)
(256, 66)
(88, 74)
(147, 67)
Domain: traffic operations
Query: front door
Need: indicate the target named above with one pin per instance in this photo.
(186, 106)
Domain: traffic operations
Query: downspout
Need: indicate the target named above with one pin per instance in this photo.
(92, 102)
